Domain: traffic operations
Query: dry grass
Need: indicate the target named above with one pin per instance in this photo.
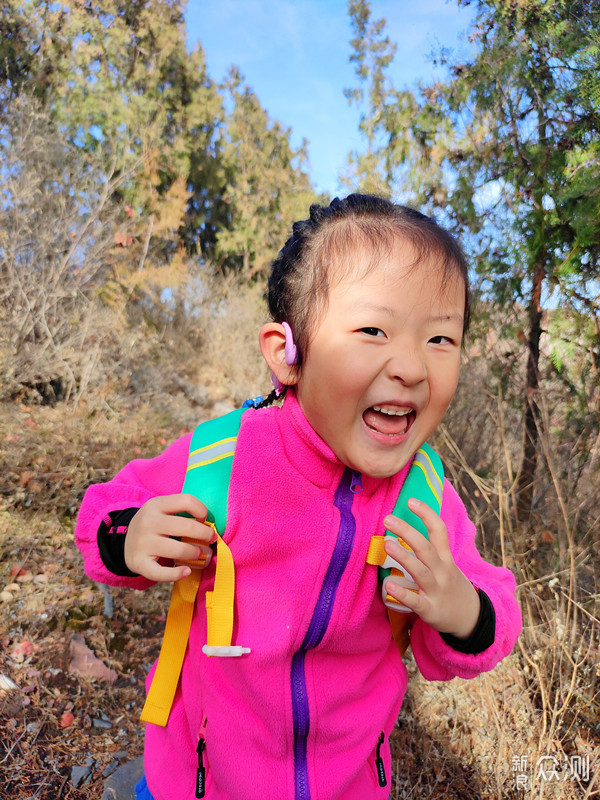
(541, 725)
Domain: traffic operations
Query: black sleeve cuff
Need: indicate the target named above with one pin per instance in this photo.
(111, 541)
(484, 634)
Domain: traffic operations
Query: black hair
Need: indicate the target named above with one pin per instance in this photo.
(300, 274)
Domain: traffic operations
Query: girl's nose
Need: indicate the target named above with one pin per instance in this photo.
(408, 366)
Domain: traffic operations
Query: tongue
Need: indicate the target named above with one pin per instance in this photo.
(385, 423)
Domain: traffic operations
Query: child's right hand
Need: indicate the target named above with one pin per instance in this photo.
(150, 536)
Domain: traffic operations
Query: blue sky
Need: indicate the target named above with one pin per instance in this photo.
(294, 54)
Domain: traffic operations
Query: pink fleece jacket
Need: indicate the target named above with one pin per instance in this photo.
(308, 713)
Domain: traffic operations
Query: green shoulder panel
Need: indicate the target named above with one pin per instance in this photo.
(209, 464)
(425, 481)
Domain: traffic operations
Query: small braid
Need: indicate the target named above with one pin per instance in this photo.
(268, 401)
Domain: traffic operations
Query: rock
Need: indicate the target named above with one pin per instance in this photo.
(110, 768)
(81, 773)
(101, 722)
(121, 784)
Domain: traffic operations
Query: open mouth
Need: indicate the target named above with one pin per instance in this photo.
(389, 420)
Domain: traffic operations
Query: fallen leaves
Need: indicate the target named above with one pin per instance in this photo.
(19, 651)
(7, 594)
(55, 722)
(16, 572)
(84, 662)
(66, 719)
(21, 576)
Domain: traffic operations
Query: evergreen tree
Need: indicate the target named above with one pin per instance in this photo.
(372, 55)
(118, 79)
(265, 185)
(507, 150)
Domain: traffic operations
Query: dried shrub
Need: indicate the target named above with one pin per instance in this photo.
(58, 224)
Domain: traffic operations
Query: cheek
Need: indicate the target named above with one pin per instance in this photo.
(448, 389)
(444, 386)
(334, 370)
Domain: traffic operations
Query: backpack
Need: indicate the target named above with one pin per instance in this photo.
(207, 477)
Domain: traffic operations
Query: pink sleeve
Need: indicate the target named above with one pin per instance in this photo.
(436, 659)
(130, 488)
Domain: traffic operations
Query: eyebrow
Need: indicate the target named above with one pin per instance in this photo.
(448, 318)
(390, 312)
(366, 306)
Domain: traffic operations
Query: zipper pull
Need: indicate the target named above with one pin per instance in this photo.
(379, 762)
(356, 486)
(201, 771)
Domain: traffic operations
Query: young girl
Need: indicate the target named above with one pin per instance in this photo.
(369, 304)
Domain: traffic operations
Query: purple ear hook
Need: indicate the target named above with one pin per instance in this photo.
(291, 357)
(291, 351)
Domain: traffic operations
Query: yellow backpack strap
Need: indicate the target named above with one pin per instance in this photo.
(425, 481)
(207, 477)
(164, 683)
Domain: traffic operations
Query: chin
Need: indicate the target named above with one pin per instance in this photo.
(380, 474)
(380, 471)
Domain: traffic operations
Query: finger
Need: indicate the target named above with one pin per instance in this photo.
(399, 551)
(436, 528)
(409, 561)
(438, 533)
(185, 527)
(411, 539)
(161, 574)
(182, 503)
(410, 598)
(201, 561)
(177, 550)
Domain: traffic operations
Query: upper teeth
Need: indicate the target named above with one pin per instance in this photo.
(393, 411)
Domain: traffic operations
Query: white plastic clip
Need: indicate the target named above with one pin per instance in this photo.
(400, 576)
(225, 651)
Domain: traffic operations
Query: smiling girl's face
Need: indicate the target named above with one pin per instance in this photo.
(383, 361)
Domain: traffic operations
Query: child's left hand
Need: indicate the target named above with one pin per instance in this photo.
(446, 599)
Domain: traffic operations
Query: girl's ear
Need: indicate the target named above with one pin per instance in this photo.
(272, 345)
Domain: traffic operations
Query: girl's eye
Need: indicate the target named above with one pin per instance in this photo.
(441, 340)
(372, 331)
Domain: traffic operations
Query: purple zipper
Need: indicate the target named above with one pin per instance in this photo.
(344, 496)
